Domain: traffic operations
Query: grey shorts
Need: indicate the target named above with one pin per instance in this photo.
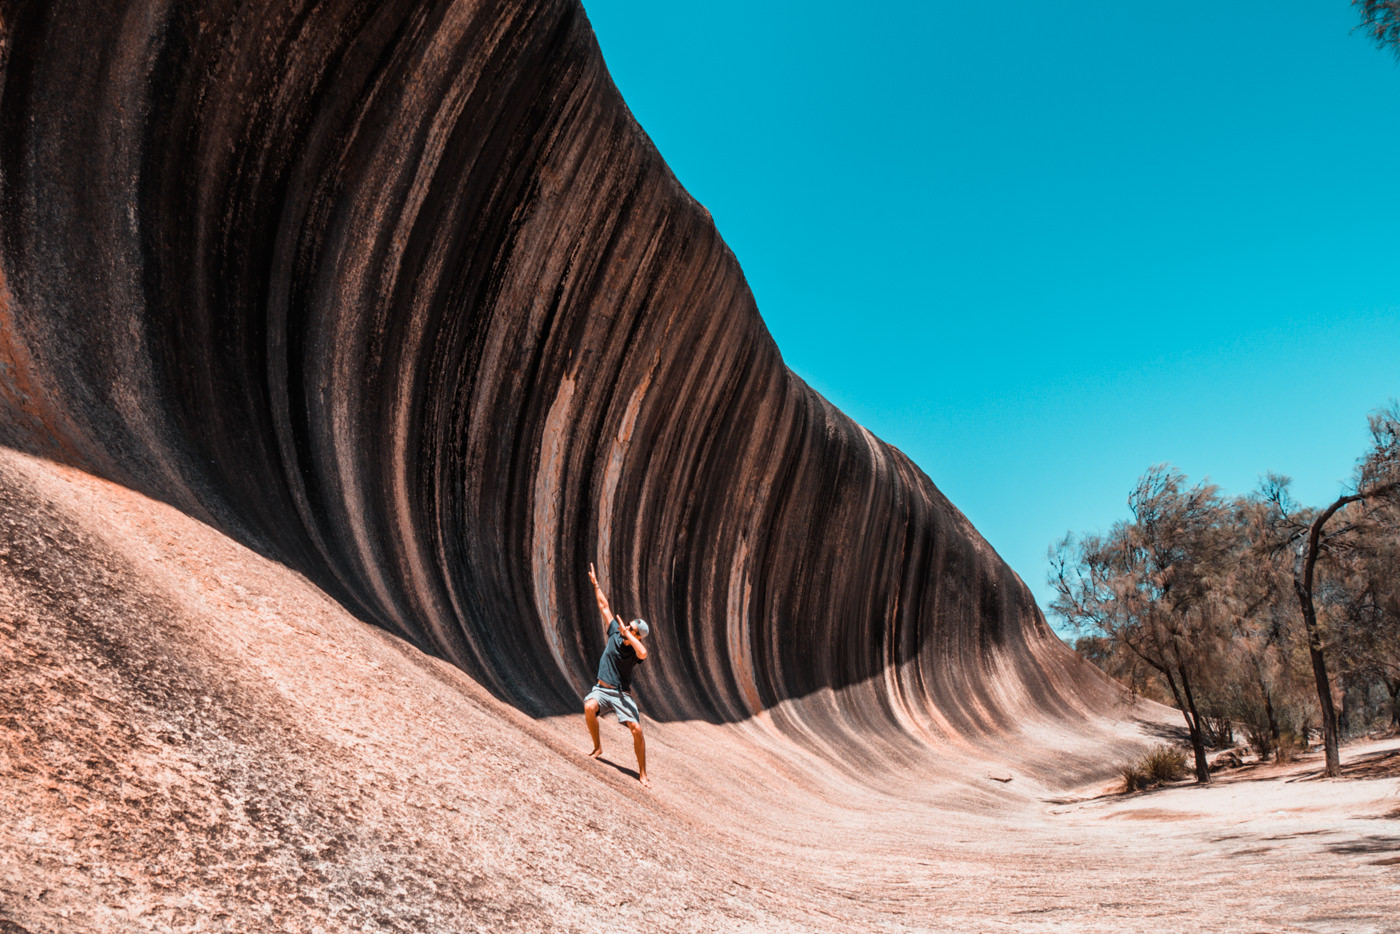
(619, 703)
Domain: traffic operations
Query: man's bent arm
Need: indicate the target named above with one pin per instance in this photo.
(631, 636)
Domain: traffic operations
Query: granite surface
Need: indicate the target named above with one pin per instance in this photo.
(400, 295)
(336, 339)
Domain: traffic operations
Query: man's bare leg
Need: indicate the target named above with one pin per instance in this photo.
(590, 717)
(639, 746)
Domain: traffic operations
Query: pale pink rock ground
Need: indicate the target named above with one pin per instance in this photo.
(193, 738)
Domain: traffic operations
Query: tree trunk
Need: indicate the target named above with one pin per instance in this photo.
(1193, 722)
(1193, 729)
(1303, 564)
(1275, 737)
(1324, 688)
(1275, 733)
(1393, 686)
(1344, 711)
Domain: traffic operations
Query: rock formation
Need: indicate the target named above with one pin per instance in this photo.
(316, 314)
(400, 295)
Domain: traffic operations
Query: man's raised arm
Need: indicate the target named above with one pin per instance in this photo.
(603, 607)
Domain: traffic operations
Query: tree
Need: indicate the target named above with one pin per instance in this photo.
(1149, 587)
(1367, 621)
(1191, 595)
(1381, 20)
(1377, 477)
(1255, 672)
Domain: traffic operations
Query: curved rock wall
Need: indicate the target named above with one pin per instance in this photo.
(399, 292)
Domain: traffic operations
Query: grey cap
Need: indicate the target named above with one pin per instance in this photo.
(643, 630)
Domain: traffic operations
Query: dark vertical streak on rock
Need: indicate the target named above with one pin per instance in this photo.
(399, 293)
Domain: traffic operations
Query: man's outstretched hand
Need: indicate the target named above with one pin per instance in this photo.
(603, 607)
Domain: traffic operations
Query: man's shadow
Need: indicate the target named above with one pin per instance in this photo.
(631, 773)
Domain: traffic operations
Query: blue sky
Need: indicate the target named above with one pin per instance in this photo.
(1042, 247)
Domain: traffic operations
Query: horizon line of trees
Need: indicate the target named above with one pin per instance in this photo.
(1250, 611)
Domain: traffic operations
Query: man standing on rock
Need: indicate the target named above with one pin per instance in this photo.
(613, 691)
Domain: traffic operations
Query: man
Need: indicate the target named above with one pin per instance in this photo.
(613, 691)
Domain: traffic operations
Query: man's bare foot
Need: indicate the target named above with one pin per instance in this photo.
(644, 781)
(597, 751)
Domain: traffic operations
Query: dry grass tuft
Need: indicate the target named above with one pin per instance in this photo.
(1158, 766)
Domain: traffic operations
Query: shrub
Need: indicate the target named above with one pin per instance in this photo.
(1289, 747)
(1164, 764)
(1133, 778)
(1261, 740)
(1158, 765)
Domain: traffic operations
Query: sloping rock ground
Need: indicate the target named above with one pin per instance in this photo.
(194, 738)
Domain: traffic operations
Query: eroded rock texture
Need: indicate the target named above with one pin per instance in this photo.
(400, 294)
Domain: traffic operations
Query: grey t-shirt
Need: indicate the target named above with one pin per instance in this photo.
(619, 658)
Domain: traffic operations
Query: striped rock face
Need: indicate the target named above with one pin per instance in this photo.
(337, 338)
(399, 295)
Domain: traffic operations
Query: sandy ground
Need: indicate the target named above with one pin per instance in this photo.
(193, 738)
